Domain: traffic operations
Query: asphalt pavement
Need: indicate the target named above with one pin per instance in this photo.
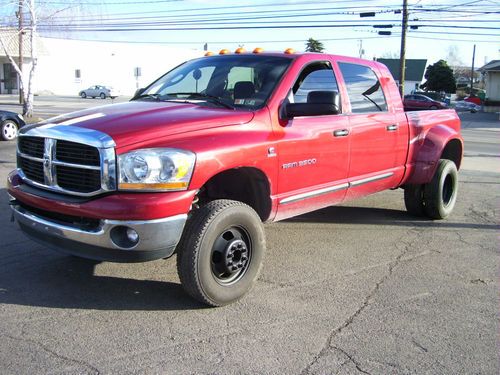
(358, 288)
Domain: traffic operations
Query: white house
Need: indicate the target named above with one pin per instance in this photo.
(66, 66)
(414, 72)
(491, 73)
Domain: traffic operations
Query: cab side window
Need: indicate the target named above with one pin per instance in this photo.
(317, 76)
(363, 88)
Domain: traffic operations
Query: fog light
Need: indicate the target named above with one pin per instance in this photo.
(132, 235)
(124, 237)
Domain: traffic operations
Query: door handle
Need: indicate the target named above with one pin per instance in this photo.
(391, 128)
(341, 133)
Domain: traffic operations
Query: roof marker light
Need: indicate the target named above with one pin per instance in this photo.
(209, 53)
(289, 51)
(258, 50)
(240, 50)
(224, 51)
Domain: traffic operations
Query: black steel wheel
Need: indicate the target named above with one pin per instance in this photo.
(440, 194)
(220, 254)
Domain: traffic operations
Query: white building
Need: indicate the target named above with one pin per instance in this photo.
(67, 66)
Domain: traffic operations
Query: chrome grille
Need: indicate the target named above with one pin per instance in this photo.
(76, 179)
(32, 146)
(66, 166)
(32, 169)
(76, 153)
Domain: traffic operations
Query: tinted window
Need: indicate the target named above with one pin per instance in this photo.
(363, 88)
(315, 77)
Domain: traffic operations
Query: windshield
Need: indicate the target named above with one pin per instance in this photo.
(236, 81)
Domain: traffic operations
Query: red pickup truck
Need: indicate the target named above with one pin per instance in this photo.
(196, 161)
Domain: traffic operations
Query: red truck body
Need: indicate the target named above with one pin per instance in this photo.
(281, 167)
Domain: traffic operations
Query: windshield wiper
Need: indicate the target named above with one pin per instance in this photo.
(209, 98)
(148, 96)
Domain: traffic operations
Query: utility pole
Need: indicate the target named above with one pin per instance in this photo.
(21, 57)
(402, 57)
(361, 50)
(472, 70)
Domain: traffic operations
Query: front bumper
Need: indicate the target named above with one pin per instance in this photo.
(108, 240)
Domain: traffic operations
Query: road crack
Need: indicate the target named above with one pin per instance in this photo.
(53, 353)
(328, 346)
(351, 359)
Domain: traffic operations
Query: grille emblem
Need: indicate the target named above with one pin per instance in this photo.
(48, 156)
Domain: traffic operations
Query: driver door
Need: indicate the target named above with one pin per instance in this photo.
(314, 150)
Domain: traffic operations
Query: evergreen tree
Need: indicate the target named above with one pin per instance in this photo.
(313, 45)
(439, 77)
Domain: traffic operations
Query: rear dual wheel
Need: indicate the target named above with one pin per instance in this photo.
(221, 251)
(437, 198)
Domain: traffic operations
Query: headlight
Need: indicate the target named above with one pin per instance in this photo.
(156, 169)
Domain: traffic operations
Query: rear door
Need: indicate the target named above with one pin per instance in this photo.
(313, 152)
(374, 132)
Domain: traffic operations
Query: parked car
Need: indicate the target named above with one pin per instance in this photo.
(473, 99)
(201, 157)
(434, 95)
(463, 106)
(11, 122)
(418, 101)
(102, 92)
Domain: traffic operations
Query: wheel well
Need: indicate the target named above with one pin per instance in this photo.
(453, 152)
(247, 185)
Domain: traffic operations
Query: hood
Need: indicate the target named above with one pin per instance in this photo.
(133, 122)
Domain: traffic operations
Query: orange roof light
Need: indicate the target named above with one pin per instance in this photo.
(224, 51)
(289, 51)
(258, 50)
(240, 50)
(209, 53)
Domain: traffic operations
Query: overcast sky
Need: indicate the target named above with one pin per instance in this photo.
(446, 29)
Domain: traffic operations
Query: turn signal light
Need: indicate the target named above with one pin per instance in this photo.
(258, 50)
(240, 50)
(289, 51)
(224, 51)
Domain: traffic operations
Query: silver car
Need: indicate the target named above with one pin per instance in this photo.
(102, 92)
(463, 106)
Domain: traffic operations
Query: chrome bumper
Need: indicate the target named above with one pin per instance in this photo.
(156, 238)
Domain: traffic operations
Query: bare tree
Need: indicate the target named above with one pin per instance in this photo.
(35, 15)
(26, 85)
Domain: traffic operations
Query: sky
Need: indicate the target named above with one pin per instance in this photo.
(439, 29)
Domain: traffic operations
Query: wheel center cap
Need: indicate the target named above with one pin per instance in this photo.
(235, 256)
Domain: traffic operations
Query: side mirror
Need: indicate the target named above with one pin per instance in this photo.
(138, 92)
(319, 103)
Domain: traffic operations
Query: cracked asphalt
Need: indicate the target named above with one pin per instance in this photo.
(361, 288)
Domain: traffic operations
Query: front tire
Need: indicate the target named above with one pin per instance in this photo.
(440, 195)
(221, 251)
(9, 130)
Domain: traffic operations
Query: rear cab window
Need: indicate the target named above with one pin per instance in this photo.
(364, 90)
